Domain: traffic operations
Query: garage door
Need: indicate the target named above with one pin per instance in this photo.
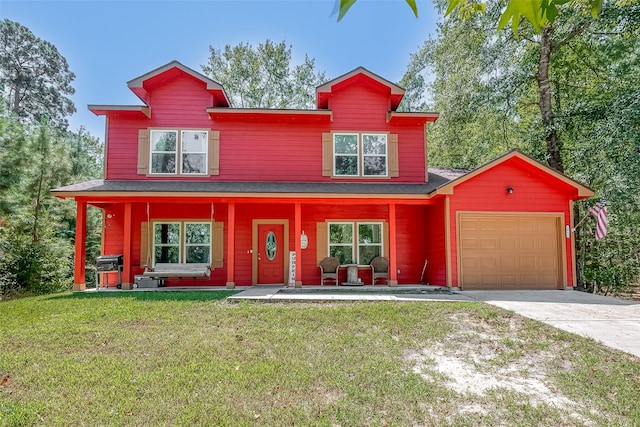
(502, 251)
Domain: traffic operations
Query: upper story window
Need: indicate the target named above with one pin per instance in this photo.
(374, 154)
(360, 155)
(179, 152)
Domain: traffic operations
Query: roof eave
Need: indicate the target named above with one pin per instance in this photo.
(396, 116)
(105, 110)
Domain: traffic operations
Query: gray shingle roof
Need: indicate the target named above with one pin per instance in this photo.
(173, 186)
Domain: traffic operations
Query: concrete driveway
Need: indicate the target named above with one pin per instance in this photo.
(613, 322)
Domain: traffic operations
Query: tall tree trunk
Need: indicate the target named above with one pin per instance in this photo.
(16, 100)
(38, 206)
(552, 139)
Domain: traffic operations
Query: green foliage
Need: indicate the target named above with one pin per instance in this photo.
(33, 266)
(262, 77)
(538, 13)
(484, 85)
(13, 153)
(85, 154)
(34, 77)
(343, 6)
(468, 74)
(40, 229)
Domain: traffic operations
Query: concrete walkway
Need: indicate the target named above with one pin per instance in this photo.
(613, 322)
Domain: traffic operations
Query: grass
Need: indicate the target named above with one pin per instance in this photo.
(185, 358)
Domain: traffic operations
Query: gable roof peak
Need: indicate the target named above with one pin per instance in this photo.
(581, 191)
(141, 84)
(323, 91)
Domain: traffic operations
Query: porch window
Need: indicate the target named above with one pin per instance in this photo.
(197, 242)
(360, 154)
(341, 242)
(186, 148)
(369, 242)
(182, 242)
(355, 242)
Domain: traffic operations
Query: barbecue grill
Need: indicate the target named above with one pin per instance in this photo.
(109, 264)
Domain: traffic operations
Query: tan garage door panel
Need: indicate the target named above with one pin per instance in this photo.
(509, 252)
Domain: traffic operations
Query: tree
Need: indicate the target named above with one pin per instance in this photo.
(539, 13)
(34, 77)
(469, 76)
(37, 153)
(263, 77)
(13, 155)
(487, 86)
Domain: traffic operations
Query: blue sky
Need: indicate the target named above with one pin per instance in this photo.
(108, 43)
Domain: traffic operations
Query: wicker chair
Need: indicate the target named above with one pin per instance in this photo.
(329, 269)
(379, 269)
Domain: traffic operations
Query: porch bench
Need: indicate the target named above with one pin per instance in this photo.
(173, 270)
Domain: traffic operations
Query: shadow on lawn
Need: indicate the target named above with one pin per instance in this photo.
(152, 295)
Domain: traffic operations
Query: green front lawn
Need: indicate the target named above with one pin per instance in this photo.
(192, 358)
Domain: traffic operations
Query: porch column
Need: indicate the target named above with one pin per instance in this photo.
(127, 248)
(231, 245)
(297, 246)
(447, 240)
(81, 246)
(393, 266)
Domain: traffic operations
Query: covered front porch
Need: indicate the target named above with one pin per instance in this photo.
(237, 234)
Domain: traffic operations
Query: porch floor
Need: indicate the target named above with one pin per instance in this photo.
(347, 293)
(280, 293)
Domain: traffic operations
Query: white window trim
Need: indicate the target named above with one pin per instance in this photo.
(152, 151)
(155, 244)
(182, 245)
(360, 155)
(178, 153)
(357, 155)
(386, 155)
(206, 152)
(355, 237)
(186, 245)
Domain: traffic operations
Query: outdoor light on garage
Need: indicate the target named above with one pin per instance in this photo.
(509, 190)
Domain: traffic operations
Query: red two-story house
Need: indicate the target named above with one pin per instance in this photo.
(190, 179)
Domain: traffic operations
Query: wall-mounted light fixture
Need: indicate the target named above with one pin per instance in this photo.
(509, 190)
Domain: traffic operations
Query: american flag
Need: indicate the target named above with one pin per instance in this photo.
(599, 212)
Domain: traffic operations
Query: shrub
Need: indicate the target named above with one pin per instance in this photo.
(29, 265)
